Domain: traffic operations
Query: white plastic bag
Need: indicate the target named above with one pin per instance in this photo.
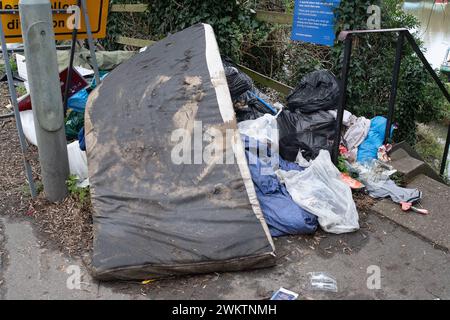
(29, 130)
(77, 158)
(263, 129)
(77, 161)
(319, 190)
(301, 161)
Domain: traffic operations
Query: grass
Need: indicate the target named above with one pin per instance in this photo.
(12, 63)
(21, 91)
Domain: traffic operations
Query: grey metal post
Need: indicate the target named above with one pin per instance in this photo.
(394, 86)
(12, 91)
(90, 41)
(46, 98)
(343, 96)
(71, 59)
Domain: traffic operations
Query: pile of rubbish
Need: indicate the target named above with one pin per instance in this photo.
(296, 183)
(302, 189)
(160, 208)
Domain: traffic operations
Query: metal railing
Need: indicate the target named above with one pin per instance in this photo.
(347, 38)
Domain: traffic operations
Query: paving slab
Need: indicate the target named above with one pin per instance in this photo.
(434, 227)
(410, 268)
(33, 272)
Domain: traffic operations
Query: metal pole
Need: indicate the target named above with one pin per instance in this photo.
(46, 98)
(445, 156)
(70, 68)
(343, 95)
(394, 85)
(12, 91)
(427, 66)
(441, 86)
(60, 47)
(90, 41)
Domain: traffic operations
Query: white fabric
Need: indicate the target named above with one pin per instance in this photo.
(301, 161)
(355, 135)
(346, 119)
(319, 190)
(264, 129)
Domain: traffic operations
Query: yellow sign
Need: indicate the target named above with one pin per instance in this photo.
(97, 11)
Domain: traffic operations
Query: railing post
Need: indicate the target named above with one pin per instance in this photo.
(394, 85)
(71, 59)
(343, 95)
(445, 156)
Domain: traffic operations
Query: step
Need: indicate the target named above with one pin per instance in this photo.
(434, 227)
(409, 163)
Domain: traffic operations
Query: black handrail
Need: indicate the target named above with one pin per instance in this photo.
(347, 37)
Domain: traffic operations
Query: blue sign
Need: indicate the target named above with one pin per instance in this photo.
(314, 21)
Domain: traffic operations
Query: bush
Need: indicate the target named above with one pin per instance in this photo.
(428, 146)
(373, 58)
(418, 97)
(234, 23)
(268, 49)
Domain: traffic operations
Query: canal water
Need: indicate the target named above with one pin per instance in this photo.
(435, 27)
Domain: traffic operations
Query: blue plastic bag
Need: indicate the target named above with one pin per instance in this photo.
(368, 149)
(82, 140)
(78, 101)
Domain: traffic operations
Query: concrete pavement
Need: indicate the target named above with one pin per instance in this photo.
(411, 268)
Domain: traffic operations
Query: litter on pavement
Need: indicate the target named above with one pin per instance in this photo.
(156, 217)
(284, 294)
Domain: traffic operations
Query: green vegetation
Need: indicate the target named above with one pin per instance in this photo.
(418, 98)
(82, 195)
(268, 49)
(25, 189)
(21, 90)
(233, 22)
(428, 146)
(12, 63)
(342, 167)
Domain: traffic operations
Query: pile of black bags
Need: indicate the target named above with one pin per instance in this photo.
(307, 125)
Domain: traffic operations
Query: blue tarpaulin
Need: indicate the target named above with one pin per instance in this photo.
(282, 214)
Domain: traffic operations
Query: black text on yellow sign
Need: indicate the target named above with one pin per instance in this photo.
(62, 24)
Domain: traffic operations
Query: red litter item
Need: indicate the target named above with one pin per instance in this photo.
(343, 149)
(352, 183)
(406, 206)
(76, 84)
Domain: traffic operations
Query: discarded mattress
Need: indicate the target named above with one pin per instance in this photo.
(155, 214)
